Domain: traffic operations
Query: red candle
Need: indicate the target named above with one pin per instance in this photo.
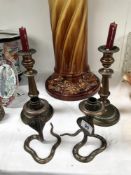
(24, 39)
(111, 35)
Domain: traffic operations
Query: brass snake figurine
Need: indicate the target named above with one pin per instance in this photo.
(86, 125)
(34, 154)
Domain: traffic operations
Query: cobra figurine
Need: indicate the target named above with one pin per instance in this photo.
(92, 108)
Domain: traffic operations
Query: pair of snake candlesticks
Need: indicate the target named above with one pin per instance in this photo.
(36, 112)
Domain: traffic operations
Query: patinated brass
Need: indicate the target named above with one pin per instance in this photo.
(111, 114)
(34, 154)
(92, 108)
(36, 112)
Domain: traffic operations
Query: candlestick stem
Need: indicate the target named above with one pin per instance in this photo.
(28, 63)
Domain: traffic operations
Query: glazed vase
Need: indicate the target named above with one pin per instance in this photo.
(72, 79)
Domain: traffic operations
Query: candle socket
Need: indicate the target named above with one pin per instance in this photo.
(36, 112)
(111, 114)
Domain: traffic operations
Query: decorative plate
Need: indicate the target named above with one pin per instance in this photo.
(10, 45)
(8, 81)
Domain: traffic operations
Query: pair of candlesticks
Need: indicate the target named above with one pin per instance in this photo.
(36, 112)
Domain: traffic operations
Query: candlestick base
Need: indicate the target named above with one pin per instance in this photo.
(36, 112)
(110, 117)
(70, 88)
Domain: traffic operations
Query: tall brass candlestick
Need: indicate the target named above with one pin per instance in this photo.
(72, 79)
(36, 112)
(111, 115)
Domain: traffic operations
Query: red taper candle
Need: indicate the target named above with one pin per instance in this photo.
(24, 39)
(111, 35)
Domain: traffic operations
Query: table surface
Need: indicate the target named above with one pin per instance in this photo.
(116, 159)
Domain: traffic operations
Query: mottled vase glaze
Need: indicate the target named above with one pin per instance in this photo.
(72, 79)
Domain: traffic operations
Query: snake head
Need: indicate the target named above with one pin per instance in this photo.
(86, 124)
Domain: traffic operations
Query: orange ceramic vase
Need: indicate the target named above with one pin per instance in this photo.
(72, 79)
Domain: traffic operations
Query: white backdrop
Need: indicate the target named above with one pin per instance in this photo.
(34, 15)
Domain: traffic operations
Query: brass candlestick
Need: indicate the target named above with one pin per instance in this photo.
(111, 114)
(36, 112)
(93, 108)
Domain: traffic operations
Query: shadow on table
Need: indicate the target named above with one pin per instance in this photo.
(125, 110)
